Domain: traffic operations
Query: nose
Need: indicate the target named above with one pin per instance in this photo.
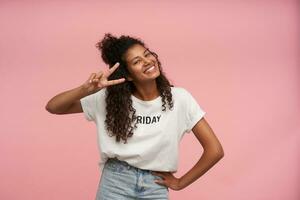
(147, 61)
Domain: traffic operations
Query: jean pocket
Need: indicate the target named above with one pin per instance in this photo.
(156, 177)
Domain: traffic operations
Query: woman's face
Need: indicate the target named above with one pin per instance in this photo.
(142, 64)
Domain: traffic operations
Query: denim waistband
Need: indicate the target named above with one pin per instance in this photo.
(120, 179)
(115, 161)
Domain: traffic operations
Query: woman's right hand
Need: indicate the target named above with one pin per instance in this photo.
(98, 81)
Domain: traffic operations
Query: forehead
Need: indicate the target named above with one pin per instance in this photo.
(134, 51)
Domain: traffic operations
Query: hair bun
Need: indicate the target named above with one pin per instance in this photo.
(109, 48)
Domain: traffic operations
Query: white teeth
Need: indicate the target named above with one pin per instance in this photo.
(150, 69)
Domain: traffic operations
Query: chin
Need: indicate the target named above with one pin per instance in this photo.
(157, 75)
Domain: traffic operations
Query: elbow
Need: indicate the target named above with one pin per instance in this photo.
(216, 152)
(50, 109)
(220, 153)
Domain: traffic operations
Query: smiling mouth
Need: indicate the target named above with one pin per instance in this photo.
(149, 69)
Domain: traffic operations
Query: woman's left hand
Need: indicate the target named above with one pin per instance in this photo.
(168, 179)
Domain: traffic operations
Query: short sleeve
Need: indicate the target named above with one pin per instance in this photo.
(89, 104)
(93, 105)
(194, 112)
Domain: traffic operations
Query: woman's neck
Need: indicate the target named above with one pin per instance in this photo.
(146, 92)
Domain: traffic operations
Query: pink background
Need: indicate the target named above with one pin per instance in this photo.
(239, 59)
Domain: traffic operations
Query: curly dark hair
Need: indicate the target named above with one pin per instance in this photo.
(120, 113)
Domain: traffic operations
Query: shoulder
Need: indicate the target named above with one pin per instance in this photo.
(181, 95)
(97, 96)
(101, 93)
(179, 91)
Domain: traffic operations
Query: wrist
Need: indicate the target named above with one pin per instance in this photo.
(83, 90)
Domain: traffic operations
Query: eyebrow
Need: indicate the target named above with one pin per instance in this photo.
(138, 56)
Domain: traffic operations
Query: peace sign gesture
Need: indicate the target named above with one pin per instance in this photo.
(100, 80)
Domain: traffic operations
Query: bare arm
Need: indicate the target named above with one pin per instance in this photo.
(69, 101)
(213, 152)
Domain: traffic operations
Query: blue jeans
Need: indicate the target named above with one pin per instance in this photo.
(121, 181)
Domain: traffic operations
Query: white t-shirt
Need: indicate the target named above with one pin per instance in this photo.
(155, 142)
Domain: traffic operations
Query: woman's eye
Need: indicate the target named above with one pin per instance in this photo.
(136, 62)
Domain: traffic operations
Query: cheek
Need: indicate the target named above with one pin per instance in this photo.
(134, 72)
(130, 69)
(135, 68)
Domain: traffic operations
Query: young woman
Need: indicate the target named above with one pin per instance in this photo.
(140, 120)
